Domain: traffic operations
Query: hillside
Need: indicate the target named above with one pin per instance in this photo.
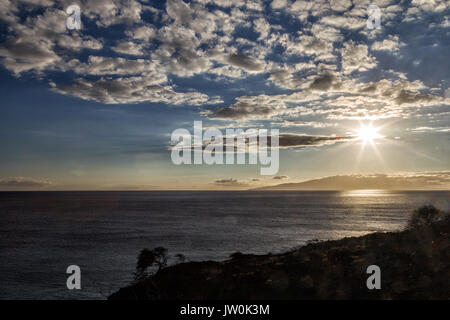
(367, 182)
(415, 264)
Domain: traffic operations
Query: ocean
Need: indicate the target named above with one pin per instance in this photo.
(42, 233)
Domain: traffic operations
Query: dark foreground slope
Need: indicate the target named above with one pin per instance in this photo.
(415, 264)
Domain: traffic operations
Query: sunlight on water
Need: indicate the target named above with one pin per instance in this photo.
(366, 193)
(103, 232)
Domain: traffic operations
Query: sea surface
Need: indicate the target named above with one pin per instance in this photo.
(42, 233)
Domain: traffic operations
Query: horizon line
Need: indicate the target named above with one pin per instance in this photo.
(217, 190)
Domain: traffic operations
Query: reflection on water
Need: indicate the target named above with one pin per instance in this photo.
(367, 193)
(102, 232)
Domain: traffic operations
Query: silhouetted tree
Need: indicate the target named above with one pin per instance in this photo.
(149, 258)
(160, 257)
(425, 215)
(146, 259)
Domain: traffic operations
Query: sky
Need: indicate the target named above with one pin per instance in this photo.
(94, 108)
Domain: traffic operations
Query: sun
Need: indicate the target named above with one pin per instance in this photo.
(367, 133)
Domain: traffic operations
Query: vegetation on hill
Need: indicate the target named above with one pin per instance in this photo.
(414, 263)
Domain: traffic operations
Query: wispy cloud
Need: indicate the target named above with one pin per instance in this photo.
(22, 183)
(204, 38)
(230, 183)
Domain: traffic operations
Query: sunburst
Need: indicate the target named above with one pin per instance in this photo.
(367, 133)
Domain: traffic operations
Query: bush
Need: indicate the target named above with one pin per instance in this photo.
(236, 255)
(425, 215)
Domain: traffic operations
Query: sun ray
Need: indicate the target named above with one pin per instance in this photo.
(367, 133)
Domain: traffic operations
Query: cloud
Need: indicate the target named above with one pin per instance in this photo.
(391, 44)
(290, 140)
(22, 183)
(247, 63)
(246, 109)
(409, 97)
(142, 32)
(279, 4)
(99, 66)
(179, 11)
(132, 90)
(310, 45)
(331, 96)
(431, 129)
(129, 47)
(313, 124)
(39, 42)
(330, 65)
(106, 13)
(355, 57)
(21, 56)
(346, 22)
(322, 82)
(285, 141)
(230, 183)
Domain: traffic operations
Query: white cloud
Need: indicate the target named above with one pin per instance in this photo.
(279, 4)
(391, 44)
(355, 57)
(132, 90)
(19, 183)
(250, 108)
(323, 72)
(129, 47)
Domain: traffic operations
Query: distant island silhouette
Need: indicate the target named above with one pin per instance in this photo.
(367, 182)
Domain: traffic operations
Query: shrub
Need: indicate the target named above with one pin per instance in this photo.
(236, 255)
(425, 215)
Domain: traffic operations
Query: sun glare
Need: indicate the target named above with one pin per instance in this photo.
(367, 133)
